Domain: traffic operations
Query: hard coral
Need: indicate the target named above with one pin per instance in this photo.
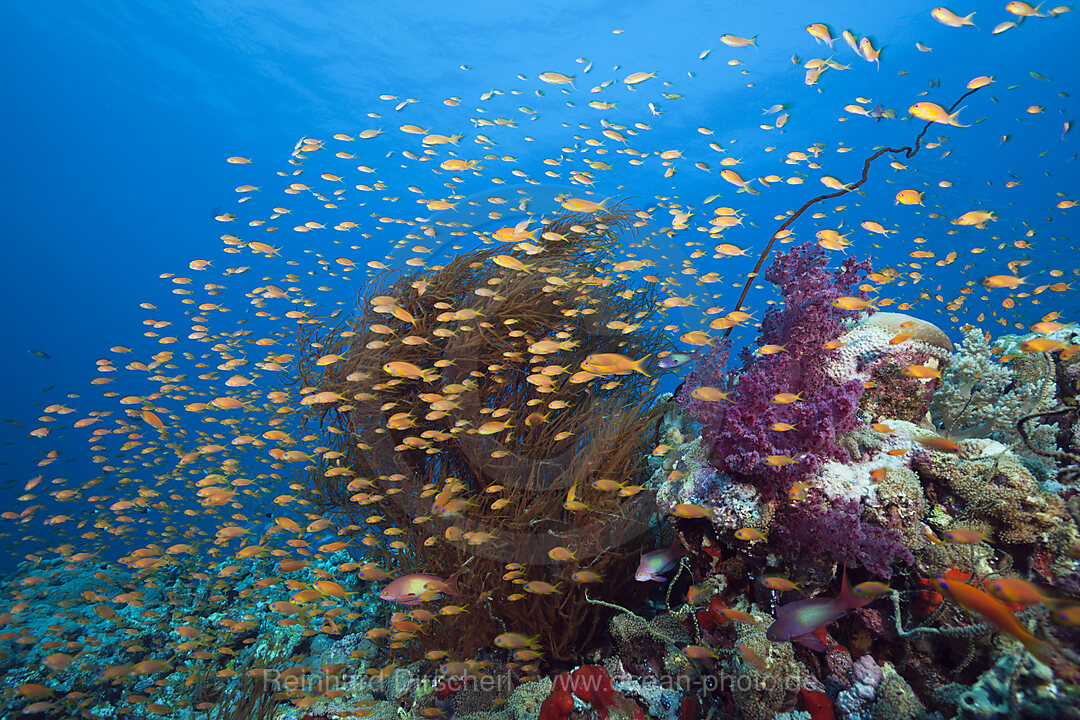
(875, 352)
(769, 685)
(738, 433)
(982, 396)
(996, 489)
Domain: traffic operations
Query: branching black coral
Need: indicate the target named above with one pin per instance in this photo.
(462, 428)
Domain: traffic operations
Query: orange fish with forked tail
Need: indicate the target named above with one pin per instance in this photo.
(997, 614)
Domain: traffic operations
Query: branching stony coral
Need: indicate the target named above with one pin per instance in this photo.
(982, 397)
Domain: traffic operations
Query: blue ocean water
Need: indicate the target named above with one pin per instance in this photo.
(120, 117)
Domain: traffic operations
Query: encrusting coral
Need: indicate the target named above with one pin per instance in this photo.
(878, 350)
(994, 491)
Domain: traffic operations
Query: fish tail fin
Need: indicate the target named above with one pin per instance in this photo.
(967, 21)
(1043, 651)
(848, 599)
(449, 585)
(816, 640)
(636, 365)
(676, 548)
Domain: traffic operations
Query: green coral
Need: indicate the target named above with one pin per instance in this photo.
(895, 698)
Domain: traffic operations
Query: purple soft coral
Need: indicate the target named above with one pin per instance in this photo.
(739, 433)
(813, 530)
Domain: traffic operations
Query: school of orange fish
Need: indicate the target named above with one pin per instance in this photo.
(200, 431)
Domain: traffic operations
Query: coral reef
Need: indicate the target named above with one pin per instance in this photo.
(771, 678)
(878, 350)
(759, 468)
(993, 491)
(864, 521)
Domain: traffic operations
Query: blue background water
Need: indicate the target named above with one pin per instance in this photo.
(119, 115)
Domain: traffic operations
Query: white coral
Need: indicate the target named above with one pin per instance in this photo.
(865, 344)
(982, 397)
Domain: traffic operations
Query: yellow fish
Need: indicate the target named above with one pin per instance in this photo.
(510, 263)
(555, 78)
(613, 364)
(710, 394)
(978, 218)
(921, 372)
(779, 460)
(909, 197)
(947, 17)
(583, 206)
(1022, 9)
(1003, 281)
(736, 41)
(852, 303)
(820, 31)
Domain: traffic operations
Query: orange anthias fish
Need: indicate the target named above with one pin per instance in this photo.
(416, 588)
(997, 614)
(613, 364)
